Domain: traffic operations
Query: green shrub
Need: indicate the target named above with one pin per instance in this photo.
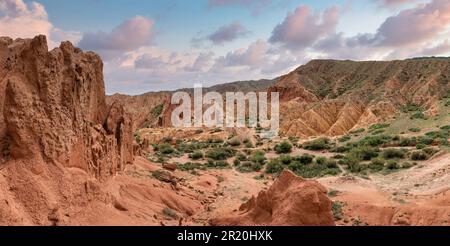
(404, 142)
(222, 153)
(379, 126)
(338, 157)
(221, 164)
(337, 210)
(406, 165)
(165, 149)
(419, 156)
(445, 128)
(377, 164)
(196, 155)
(248, 145)
(157, 111)
(421, 146)
(410, 107)
(274, 167)
(393, 153)
(357, 131)
(170, 213)
(304, 159)
(241, 157)
(415, 129)
(392, 165)
(285, 159)
(444, 142)
(321, 160)
(353, 164)
(418, 115)
(377, 132)
(249, 166)
(189, 166)
(331, 163)
(345, 138)
(258, 157)
(356, 167)
(425, 140)
(430, 151)
(375, 141)
(317, 144)
(364, 153)
(283, 148)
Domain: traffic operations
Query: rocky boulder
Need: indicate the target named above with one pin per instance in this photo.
(290, 201)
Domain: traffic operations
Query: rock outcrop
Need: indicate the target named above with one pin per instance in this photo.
(290, 201)
(54, 120)
(54, 108)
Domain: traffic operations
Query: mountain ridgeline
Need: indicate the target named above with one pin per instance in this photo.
(327, 97)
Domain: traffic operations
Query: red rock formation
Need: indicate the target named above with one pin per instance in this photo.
(290, 201)
(54, 120)
(54, 108)
(328, 97)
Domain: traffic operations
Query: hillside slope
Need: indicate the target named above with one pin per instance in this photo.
(328, 97)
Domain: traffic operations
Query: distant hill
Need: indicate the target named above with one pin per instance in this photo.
(327, 97)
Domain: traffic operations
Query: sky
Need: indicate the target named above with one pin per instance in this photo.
(169, 44)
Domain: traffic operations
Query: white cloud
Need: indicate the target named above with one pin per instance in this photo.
(21, 20)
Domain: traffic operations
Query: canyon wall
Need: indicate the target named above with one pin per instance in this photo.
(54, 120)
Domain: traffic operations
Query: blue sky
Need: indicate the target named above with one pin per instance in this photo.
(168, 44)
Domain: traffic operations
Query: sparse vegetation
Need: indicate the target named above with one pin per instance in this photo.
(221, 164)
(165, 149)
(157, 111)
(393, 154)
(283, 148)
(274, 167)
(418, 115)
(345, 138)
(378, 126)
(189, 166)
(221, 153)
(337, 209)
(196, 155)
(258, 157)
(170, 213)
(415, 129)
(317, 144)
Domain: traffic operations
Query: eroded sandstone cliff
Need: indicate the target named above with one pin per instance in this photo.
(54, 117)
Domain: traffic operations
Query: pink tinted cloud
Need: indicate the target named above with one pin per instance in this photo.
(228, 33)
(416, 25)
(128, 36)
(303, 27)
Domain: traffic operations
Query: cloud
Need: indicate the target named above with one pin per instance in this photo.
(303, 28)
(130, 35)
(411, 32)
(202, 63)
(227, 33)
(21, 20)
(253, 56)
(437, 50)
(416, 25)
